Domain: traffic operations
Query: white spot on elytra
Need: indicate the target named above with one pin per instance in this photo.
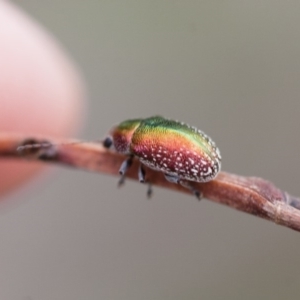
(191, 160)
(209, 171)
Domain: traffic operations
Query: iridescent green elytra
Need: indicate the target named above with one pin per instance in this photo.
(182, 152)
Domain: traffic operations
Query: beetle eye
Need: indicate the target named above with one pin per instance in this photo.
(107, 142)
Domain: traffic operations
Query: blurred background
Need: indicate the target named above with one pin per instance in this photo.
(232, 69)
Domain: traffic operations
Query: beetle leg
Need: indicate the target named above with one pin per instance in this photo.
(172, 178)
(124, 168)
(141, 174)
(188, 185)
(149, 191)
(126, 165)
(142, 179)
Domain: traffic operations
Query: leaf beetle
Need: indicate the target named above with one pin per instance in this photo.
(182, 152)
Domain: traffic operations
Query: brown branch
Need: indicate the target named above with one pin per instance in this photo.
(252, 195)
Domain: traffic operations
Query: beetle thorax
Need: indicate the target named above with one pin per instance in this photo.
(122, 135)
(122, 142)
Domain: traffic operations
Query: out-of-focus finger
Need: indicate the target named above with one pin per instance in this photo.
(41, 91)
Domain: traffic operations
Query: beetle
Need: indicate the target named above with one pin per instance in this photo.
(183, 153)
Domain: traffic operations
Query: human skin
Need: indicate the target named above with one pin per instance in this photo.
(41, 92)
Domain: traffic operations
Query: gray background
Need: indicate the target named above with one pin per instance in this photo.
(230, 68)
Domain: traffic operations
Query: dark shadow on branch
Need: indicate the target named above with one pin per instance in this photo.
(252, 195)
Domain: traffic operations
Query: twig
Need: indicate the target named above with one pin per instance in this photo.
(252, 195)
